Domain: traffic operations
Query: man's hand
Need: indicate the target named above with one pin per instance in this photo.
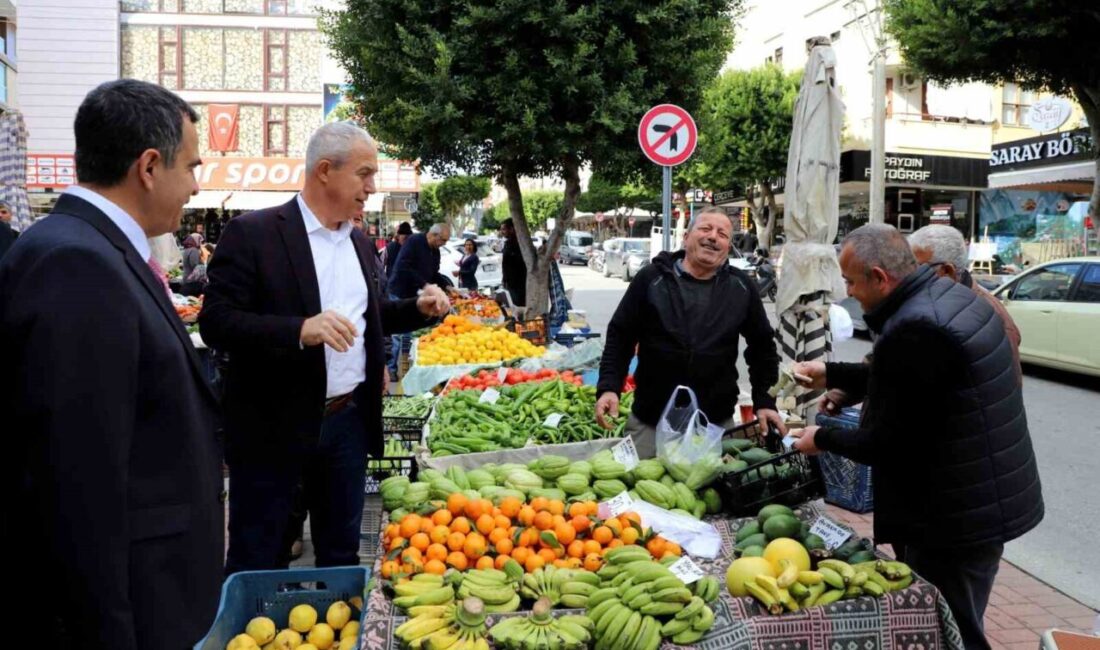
(607, 404)
(809, 374)
(432, 302)
(805, 440)
(834, 400)
(329, 328)
(768, 416)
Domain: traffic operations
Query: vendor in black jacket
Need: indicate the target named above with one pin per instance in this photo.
(418, 262)
(686, 313)
(943, 425)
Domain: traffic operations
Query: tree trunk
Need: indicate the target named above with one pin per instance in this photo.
(1089, 99)
(765, 226)
(538, 261)
(773, 210)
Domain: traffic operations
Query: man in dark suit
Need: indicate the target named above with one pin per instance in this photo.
(293, 298)
(417, 263)
(7, 234)
(114, 474)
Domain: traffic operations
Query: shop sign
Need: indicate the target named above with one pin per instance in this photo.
(288, 174)
(942, 213)
(50, 170)
(1056, 148)
(916, 169)
(903, 169)
(1048, 114)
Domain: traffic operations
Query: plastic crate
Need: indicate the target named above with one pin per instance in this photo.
(274, 593)
(847, 483)
(533, 330)
(789, 478)
(575, 338)
(408, 428)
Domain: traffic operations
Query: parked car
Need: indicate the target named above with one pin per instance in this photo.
(1056, 305)
(627, 258)
(595, 261)
(576, 247)
(488, 275)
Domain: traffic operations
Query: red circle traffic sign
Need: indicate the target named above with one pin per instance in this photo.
(667, 135)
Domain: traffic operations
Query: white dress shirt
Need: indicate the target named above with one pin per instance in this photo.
(118, 216)
(343, 290)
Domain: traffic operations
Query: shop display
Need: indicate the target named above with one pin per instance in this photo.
(542, 630)
(445, 624)
(482, 379)
(477, 306)
(419, 406)
(459, 340)
(338, 631)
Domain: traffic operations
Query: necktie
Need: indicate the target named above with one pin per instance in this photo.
(161, 275)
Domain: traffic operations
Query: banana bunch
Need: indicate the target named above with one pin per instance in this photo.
(495, 588)
(446, 627)
(423, 590)
(568, 587)
(635, 592)
(541, 630)
(708, 588)
(832, 581)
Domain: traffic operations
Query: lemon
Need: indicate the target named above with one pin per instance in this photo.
(302, 618)
(321, 636)
(287, 640)
(262, 629)
(338, 615)
(242, 642)
(348, 643)
(351, 630)
(307, 646)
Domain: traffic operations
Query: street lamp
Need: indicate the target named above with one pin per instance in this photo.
(869, 22)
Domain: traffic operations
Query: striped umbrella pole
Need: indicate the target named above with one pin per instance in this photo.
(804, 335)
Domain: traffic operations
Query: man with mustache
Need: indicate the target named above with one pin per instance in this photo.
(686, 313)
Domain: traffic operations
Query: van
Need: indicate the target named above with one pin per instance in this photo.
(576, 247)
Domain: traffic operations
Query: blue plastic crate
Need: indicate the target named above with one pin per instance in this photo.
(847, 483)
(274, 593)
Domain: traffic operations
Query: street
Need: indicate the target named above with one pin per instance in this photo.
(1061, 410)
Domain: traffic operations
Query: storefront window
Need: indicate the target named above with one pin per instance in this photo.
(1033, 226)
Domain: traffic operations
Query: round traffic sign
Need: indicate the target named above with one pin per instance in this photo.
(667, 135)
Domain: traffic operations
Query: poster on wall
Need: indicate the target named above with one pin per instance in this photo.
(1015, 218)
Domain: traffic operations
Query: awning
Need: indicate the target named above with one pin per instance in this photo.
(245, 200)
(375, 203)
(207, 199)
(1084, 170)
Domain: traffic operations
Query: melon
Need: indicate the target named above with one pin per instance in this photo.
(746, 568)
(785, 548)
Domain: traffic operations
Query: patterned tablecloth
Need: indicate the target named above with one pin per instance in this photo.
(916, 618)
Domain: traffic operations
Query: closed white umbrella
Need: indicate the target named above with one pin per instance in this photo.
(811, 279)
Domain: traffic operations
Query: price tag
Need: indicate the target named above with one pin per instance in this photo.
(553, 419)
(626, 453)
(427, 395)
(618, 504)
(502, 374)
(490, 396)
(833, 534)
(686, 570)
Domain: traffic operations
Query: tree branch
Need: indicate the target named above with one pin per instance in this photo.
(519, 219)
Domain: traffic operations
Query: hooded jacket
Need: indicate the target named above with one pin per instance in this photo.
(672, 351)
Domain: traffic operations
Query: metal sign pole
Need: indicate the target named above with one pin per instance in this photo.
(666, 203)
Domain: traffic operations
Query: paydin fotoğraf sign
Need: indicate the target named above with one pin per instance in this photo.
(903, 169)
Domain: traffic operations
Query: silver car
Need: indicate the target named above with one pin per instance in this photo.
(627, 257)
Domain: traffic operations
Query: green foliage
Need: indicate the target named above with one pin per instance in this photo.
(454, 193)
(429, 211)
(539, 205)
(745, 127)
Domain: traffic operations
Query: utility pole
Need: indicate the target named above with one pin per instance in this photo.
(869, 22)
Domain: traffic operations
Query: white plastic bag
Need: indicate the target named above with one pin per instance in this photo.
(840, 323)
(688, 445)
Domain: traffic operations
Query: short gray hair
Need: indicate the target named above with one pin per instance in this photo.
(877, 244)
(332, 142)
(946, 243)
(438, 228)
(714, 209)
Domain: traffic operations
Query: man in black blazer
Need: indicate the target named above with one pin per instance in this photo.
(293, 299)
(113, 478)
(7, 234)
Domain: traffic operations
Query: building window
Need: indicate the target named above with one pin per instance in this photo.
(171, 57)
(779, 56)
(245, 7)
(1015, 102)
(275, 66)
(835, 36)
(275, 130)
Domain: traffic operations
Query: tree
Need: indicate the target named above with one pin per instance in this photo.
(429, 211)
(538, 205)
(455, 193)
(1039, 44)
(744, 135)
(516, 88)
(618, 201)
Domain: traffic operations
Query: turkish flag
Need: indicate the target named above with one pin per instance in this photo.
(222, 135)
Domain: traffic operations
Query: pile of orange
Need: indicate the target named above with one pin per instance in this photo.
(474, 533)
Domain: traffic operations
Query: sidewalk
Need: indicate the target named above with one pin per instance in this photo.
(1021, 607)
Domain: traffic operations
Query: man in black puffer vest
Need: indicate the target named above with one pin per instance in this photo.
(943, 424)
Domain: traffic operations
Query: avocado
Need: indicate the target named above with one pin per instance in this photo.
(751, 527)
(862, 556)
(734, 445)
(759, 539)
(804, 532)
(734, 466)
(752, 551)
(845, 550)
(769, 511)
(812, 542)
(781, 525)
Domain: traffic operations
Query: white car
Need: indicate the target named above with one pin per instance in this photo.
(488, 274)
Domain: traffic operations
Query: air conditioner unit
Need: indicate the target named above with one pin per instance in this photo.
(910, 81)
